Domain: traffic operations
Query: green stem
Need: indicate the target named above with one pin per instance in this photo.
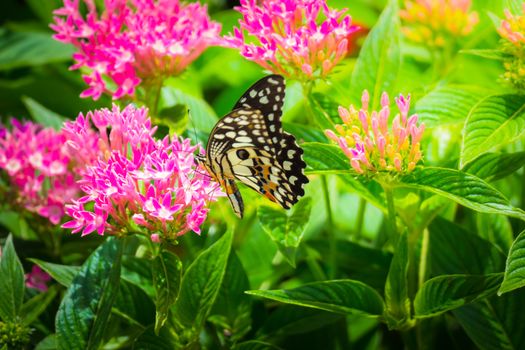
(360, 218)
(389, 193)
(332, 271)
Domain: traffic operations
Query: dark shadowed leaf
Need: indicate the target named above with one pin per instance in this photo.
(167, 274)
(63, 274)
(11, 282)
(493, 166)
(515, 267)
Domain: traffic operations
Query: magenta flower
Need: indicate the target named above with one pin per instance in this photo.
(136, 180)
(133, 41)
(372, 145)
(302, 39)
(37, 279)
(41, 170)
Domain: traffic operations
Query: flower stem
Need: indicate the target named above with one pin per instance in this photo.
(360, 218)
(389, 193)
(330, 230)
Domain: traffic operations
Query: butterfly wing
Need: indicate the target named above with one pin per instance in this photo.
(249, 145)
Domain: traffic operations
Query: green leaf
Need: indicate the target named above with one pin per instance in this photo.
(397, 311)
(448, 104)
(83, 314)
(167, 274)
(515, 267)
(495, 229)
(286, 228)
(377, 66)
(201, 115)
(148, 340)
(176, 118)
(255, 345)
(304, 133)
(48, 343)
(201, 283)
(23, 49)
(232, 309)
(496, 323)
(321, 158)
(63, 274)
(493, 122)
(36, 305)
(339, 296)
(453, 250)
(444, 293)
(42, 115)
(11, 282)
(486, 53)
(138, 272)
(515, 6)
(494, 166)
(325, 111)
(134, 305)
(463, 188)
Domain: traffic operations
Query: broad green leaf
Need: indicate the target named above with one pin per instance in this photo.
(167, 274)
(255, 345)
(377, 66)
(286, 228)
(287, 320)
(201, 115)
(201, 283)
(304, 133)
(148, 340)
(448, 104)
(495, 121)
(232, 309)
(486, 53)
(138, 272)
(63, 274)
(453, 250)
(494, 166)
(515, 6)
(42, 115)
(495, 323)
(338, 296)
(26, 49)
(444, 293)
(496, 229)
(48, 343)
(134, 305)
(32, 308)
(357, 262)
(325, 111)
(11, 282)
(465, 189)
(44, 9)
(321, 158)
(397, 303)
(83, 314)
(515, 267)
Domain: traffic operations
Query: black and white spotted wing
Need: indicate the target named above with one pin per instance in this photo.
(249, 145)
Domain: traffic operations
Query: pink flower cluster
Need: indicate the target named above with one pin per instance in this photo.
(371, 145)
(513, 27)
(37, 279)
(302, 39)
(40, 167)
(138, 181)
(133, 40)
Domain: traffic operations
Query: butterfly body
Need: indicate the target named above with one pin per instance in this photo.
(249, 145)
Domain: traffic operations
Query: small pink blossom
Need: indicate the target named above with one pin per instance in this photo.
(369, 144)
(302, 39)
(134, 180)
(42, 173)
(133, 41)
(37, 279)
(513, 27)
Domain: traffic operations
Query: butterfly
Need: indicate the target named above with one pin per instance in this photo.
(249, 145)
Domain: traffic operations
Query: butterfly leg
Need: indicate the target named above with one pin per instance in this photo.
(234, 196)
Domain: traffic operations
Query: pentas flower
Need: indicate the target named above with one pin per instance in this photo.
(40, 168)
(436, 23)
(512, 31)
(137, 181)
(37, 279)
(133, 41)
(302, 39)
(372, 145)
